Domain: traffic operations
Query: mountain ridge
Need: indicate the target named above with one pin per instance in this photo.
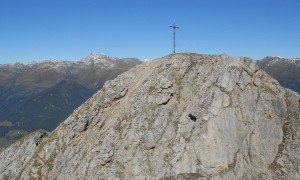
(62, 69)
(21, 83)
(183, 115)
(285, 70)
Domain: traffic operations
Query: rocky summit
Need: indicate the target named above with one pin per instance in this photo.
(183, 116)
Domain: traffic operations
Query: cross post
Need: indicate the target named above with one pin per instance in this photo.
(174, 35)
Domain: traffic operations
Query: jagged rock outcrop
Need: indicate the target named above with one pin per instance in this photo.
(17, 155)
(184, 116)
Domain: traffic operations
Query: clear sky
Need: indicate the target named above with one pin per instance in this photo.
(72, 29)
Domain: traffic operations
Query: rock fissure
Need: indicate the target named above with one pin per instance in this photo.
(192, 117)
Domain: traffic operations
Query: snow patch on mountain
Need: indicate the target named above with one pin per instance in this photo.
(101, 61)
(281, 60)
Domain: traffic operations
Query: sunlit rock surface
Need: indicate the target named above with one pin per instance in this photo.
(184, 116)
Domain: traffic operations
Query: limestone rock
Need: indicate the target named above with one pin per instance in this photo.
(17, 155)
(184, 116)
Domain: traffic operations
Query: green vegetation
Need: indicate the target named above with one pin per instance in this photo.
(15, 134)
(4, 143)
(11, 136)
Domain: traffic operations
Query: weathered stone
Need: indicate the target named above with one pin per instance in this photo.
(184, 116)
(17, 155)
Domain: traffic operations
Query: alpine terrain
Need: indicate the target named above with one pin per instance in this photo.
(42, 94)
(285, 70)
(183, 116)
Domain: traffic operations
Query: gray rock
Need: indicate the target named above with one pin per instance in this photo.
(17, 155)
(184, 116)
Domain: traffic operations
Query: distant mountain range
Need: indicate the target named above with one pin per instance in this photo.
(285, 70)
(41, 94)
(182, 116)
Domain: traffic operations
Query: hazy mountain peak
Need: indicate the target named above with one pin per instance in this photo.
(285, 70)
(101, 56)
(279, 61)
(55, 62)
(280, 58)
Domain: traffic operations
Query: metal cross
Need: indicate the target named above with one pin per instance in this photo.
(174, 34)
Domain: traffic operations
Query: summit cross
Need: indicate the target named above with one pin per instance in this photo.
(174, 35)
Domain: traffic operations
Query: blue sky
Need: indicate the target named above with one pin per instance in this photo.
(72, 29)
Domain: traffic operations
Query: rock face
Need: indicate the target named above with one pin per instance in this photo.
(184, 116)
(13, 158)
